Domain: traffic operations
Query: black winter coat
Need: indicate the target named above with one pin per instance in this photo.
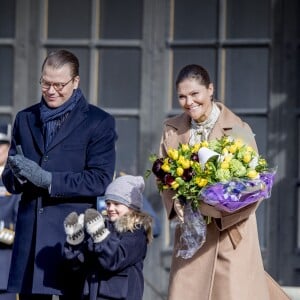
(81, 158)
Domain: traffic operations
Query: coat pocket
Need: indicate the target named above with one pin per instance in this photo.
(77, 146)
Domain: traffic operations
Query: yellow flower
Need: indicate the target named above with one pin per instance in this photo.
(201, 182)
(225, 151)
(232, 149)
(204, 144)
(262, 162)
(252, 174)
(238, 143)
(179, 171)
(250, 149)
(186, 164)
(225, 139)
(173, 153)
(185, 147)
(180, 160)
(225, 165)
(196, 148)
(174, 185)
(166, 167)
(247, 157)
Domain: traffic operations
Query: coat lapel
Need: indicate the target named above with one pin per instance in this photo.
(36, 128)
(181, 125)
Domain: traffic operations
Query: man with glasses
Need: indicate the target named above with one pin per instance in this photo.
(61, 158)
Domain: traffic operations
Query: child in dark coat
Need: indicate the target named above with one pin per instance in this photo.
(110, 253)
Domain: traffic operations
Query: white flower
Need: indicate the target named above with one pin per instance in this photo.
(254, 162)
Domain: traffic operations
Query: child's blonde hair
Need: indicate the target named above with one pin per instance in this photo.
(134, 220)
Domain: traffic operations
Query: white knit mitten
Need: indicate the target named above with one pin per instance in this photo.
(94, 225)
(73, 225)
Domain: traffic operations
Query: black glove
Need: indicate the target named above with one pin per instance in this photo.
(94, 225)
(23, 167)
(73, 225)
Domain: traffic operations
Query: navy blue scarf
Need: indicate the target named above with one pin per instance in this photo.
(53, 118)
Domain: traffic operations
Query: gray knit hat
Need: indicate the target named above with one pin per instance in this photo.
(128, 190)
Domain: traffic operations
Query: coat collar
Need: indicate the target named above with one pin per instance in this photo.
(72, 122)
(181, 124)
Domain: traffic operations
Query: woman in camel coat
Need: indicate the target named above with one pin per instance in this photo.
(229, 265)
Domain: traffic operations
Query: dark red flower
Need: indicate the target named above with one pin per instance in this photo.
(194, 157)
(187, 174)
(157, 170)
(168, 179)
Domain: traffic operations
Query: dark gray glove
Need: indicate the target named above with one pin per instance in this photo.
(15, 169)
(23, 167)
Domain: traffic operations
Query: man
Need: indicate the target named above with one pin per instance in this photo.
(62, 157)
(8, 217)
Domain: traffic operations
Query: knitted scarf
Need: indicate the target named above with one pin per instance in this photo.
(201, 131)
(53, 118)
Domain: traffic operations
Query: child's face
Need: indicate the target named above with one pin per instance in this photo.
(115, 210)
(3, 153)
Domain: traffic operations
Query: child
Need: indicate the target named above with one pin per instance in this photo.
(112, 251)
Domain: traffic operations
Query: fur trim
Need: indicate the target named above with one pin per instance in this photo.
(133, 220)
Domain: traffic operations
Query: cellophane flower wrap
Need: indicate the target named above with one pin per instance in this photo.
(225, 173)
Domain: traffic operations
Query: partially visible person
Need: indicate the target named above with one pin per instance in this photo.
(61, 158)
(229, 265)
(8, 216)
(109, 258)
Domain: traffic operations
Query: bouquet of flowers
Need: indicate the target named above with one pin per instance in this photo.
(225, 173)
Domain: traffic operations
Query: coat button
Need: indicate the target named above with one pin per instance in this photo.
(45, 158)
(41, 210)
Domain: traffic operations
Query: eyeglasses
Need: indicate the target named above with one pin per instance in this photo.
(58, 86)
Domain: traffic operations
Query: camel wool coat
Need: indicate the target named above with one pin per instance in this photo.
(229, 265)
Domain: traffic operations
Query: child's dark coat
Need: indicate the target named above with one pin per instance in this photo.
(113, 268)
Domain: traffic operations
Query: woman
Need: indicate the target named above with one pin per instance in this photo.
(229, 264)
